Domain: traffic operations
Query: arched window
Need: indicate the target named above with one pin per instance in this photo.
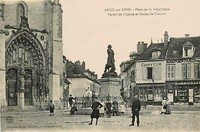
(20, 12)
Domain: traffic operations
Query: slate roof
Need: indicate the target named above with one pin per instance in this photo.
(147, 54)
(175, 47)
(81, 74)
(173, 50)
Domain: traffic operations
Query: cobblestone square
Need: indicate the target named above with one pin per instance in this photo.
(62, 121)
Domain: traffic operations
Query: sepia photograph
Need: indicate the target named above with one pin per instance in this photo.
(99, 65)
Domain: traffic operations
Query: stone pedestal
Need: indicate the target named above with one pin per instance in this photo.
(110, 86)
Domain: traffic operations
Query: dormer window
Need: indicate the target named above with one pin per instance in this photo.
(188, 49)
(156, 54)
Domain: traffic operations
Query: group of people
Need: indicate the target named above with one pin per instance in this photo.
(96, 107)
(112, 108)
(99, 109)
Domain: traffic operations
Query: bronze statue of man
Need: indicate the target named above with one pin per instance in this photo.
(110, 60)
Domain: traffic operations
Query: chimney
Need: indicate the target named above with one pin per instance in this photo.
(83, 65)
(141, 46)
(187, 35)
(166, 38)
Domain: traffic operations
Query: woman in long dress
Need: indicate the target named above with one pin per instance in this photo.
(122, 108)
(168, 109)
(163, 109)
(108, 108)
(95, 111)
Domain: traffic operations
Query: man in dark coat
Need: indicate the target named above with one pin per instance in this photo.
(108, 108)
(95, 111)
(115, 107)
(51, 108)
(136, 105)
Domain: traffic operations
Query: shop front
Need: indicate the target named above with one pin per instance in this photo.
(152, 94)
(185, 92)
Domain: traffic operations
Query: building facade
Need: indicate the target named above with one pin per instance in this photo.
(127, 75)
(82, 80)
(167, 70)
(150, 80)
(31, 66)
(182, 70)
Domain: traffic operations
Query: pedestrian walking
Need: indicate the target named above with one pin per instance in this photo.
(88, 101)
(73, 109)
(71, 100)
(168, 109)
(95, 111)
(102, 109)
(115, 107)
(164, 106)
(51, 108)
(108, 108)
(136, 106)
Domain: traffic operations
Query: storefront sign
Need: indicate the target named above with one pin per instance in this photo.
(187, 83)
(150, 64)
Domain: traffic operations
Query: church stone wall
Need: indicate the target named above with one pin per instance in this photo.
(41, 14)
(2, 68)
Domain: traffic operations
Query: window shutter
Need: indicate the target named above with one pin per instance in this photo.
(184, 71)
(188, 70)
(168, 71)
(196, 70)
(172, 71)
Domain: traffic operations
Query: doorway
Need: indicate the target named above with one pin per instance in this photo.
(12, 78)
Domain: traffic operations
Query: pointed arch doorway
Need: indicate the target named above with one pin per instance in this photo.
(25, 70)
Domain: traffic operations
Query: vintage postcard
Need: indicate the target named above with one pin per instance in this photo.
(100, 65)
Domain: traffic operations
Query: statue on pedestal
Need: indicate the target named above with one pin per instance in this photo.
(110, 66)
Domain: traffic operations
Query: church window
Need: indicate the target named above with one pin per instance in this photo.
(20, 12)
(2, 12)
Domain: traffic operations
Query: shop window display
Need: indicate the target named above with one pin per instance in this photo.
(197, 95)
(182, 95)
(143, 95)
(157, 94)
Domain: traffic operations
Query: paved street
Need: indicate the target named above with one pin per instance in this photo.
(40, 121)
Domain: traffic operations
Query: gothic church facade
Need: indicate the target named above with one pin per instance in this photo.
(31, 53)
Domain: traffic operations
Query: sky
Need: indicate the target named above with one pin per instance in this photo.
(89, 26)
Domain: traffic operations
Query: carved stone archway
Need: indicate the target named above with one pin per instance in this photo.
(25, 54)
